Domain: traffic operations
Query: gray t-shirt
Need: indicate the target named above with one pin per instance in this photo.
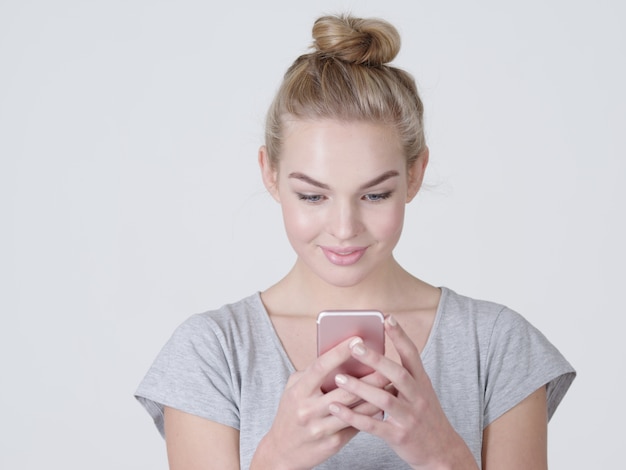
(229, 366)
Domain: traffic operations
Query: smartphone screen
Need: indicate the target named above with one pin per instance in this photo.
(334, 326)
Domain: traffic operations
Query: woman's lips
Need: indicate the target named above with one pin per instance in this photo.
(343, 256)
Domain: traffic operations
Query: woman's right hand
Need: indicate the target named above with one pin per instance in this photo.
(304, 433)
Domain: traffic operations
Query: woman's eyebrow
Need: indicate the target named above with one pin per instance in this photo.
(379, 179)
(308, 179)
(385, 176)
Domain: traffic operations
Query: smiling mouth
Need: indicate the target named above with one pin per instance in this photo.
(344, 253)
(343, 256)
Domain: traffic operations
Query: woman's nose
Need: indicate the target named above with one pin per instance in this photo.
(345, 221)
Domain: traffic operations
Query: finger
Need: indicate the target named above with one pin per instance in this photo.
(408, 352)
(293, 378)
(372, 424)
(376, 379)
(330, 424)
(344, 397)
(397, 374)
(315, 374)
(382, 399)
(362, 408)
(365, 408)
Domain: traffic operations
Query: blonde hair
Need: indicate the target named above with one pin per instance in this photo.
(346, 77)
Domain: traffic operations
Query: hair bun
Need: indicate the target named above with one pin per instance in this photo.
(356, 40)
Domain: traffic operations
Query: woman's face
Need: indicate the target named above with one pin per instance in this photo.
(343, 187)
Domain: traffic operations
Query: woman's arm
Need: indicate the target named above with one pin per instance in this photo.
(518, 438)
(195, 443)
(302, 435)
(416, 427)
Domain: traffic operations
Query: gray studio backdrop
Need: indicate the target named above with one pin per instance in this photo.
(130, 196)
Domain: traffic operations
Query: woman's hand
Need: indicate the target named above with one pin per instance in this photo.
(415, 427)
(304, 432)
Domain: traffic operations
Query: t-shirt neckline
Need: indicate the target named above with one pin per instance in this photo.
(281, 349)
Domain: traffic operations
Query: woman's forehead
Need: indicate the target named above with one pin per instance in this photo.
(331, 153)
(312, 139)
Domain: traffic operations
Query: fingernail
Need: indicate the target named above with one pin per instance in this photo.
(358, 349)
(341, 379)
(333, 408)
(391, 320)
(354, 342)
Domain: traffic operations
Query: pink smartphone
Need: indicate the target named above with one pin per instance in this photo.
(334, 326)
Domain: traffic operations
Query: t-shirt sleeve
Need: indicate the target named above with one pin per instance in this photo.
(520, 360)
(192, 374)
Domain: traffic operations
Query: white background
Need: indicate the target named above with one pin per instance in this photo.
(130, 196)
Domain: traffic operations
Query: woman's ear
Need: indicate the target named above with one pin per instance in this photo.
(268, 173)
(416, 174)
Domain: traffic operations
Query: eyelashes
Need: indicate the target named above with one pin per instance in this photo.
(312, 198)
(377, 196)
(317, 198)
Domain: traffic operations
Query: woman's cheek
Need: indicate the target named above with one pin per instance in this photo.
(388, 224)
(300, 224)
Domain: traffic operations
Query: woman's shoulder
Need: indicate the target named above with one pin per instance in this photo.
(478, 318)
(494, 328)
(245, 307)
(511, 356)
(463, 307)
(239, 316)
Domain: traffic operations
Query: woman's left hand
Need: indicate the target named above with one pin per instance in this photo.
(415, 427)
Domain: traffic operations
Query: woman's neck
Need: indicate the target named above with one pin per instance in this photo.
(302, 293)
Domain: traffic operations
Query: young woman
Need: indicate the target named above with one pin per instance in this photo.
(463, 384)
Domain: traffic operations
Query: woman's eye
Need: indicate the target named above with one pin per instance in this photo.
(377, 197)
(310, 197)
